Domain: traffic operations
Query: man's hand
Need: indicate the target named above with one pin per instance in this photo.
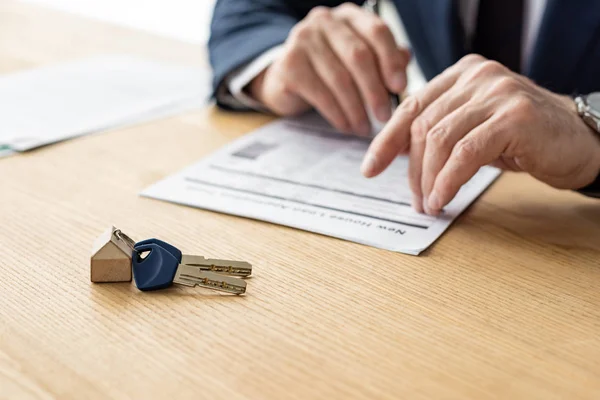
(342, 61)
(478, 112)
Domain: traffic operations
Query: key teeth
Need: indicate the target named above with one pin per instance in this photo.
(225, 270)
(208, 283)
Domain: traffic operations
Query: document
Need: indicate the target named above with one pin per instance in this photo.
(49, 104)
(303, 174)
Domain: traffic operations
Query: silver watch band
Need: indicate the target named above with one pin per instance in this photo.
(583, 108)
(591, 116)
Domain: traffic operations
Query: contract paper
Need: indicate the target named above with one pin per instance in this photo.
(50, 104)
(301, 174)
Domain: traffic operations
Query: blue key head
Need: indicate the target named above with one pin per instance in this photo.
(156, 270)
(168, 247)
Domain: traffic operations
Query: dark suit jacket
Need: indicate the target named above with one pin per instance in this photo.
(565, 59)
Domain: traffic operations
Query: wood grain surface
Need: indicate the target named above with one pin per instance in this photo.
(506, 305)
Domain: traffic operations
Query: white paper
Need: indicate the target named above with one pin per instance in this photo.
(54, 103)
(185, 20)
(299, 174)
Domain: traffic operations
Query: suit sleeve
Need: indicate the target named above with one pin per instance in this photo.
(242, 30)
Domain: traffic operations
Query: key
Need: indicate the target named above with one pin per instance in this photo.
(159, 269)
(227, 267)
(121, 236)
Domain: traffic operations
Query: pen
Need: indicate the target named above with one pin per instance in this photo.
(373, 6)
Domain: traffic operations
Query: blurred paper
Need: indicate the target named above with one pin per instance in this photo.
(185, 20)
(58, 102)
(301, 174)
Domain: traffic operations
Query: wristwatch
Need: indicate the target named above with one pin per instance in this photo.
(588, 107)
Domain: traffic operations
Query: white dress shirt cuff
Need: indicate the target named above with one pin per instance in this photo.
(232, 93)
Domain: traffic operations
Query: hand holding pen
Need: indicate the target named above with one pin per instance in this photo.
(343, 61)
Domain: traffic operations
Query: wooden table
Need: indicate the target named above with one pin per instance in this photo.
(505, 305)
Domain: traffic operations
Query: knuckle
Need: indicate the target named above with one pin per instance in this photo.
(419, 129)
(319, 13)
(505, 85)
(523, 102)
(472, 59)
(347, 7)
(301, 32)
(488, 68)
(342, 78)
(292, 60)
(465, 151)
(437, 137)
(378, 29)
(359, 53)
(523, 106)
(289, 84)
(411, 105)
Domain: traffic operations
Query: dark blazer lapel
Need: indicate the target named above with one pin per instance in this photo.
(568, 30)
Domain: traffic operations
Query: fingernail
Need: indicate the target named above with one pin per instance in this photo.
(434, 202)
(369, 165)
(384, 113)
(428, 210)
(399, 82)
(417, 204)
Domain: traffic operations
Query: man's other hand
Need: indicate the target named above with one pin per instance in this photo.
(478, 112)
(341, 61)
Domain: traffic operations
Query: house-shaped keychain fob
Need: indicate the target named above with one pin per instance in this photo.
(111, 259)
